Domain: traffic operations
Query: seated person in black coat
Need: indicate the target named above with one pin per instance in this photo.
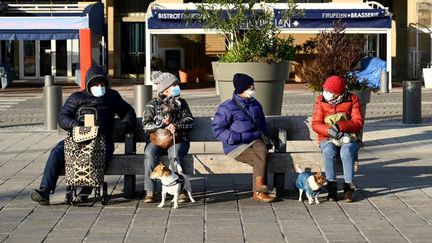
(108, 103)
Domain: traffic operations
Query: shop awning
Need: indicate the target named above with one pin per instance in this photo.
(318, 16)
(362, 18)
(49, 22)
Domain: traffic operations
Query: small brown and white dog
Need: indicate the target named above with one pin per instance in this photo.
(172, 183)
(310, 183)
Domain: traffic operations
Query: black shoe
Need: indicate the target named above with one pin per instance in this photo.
(83, 195)
(332, 188)
(40, 196)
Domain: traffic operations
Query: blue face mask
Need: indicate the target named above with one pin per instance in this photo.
(175, 90)
(98, 91)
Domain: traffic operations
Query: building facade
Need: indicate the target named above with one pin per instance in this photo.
(122, 48)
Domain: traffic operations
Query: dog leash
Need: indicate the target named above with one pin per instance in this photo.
(175, 153)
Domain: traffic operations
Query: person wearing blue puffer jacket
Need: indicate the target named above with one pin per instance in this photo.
(241, 136)
(108, 104)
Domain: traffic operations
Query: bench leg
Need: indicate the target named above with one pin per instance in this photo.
(279, 183)
(129, 186)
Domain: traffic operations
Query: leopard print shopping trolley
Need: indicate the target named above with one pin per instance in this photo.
(85, 159)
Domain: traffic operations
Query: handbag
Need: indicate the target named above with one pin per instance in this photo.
(268, 141)
(85, 152)
(163, 138)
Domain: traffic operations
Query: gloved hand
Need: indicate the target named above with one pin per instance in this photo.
(125, 127)
(333, 132)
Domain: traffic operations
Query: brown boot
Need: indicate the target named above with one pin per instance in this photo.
(260, 194)
(349, 190)
(262, 197)
(260, 185)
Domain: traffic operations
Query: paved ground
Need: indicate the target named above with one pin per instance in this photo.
(392, 205)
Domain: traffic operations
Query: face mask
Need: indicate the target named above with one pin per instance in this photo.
(175, 90)
(329, 96)
(97, 91)
(250, 93)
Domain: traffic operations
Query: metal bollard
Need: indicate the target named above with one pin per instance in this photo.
(412, 102)
(48, 80)
(52, 105)
(142, 94)
(384, 86)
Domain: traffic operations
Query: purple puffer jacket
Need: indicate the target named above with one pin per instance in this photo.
(233, 127)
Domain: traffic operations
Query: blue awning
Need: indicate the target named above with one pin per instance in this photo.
(51, 26)
(366, 18)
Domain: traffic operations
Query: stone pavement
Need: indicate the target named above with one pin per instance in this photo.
(392, 204)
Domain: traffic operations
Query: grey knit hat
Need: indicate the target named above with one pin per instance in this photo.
(163, 80)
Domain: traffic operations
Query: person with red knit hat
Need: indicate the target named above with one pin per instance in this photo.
(337, 119)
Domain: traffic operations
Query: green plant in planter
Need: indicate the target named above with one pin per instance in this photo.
(337, 53)
(250, 32)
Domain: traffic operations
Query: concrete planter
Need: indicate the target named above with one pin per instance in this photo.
(269, 82)
(365, 96)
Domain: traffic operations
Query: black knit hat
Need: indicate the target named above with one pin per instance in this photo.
(242, 82)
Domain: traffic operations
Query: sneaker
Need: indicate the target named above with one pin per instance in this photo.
(150, 197)
(83, 195)
(40, 196)
(182, 197)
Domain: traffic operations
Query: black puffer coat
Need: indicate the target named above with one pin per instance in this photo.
(107, 106)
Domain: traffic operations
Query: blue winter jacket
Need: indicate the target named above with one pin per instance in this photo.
(302, 183)
(107, 106)
(233, 127)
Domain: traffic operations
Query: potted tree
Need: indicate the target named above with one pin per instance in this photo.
(253, 46)
(338, 53)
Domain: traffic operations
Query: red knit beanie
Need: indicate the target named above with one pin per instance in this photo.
(334, 84)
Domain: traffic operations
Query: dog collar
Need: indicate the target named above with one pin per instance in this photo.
(173, 183)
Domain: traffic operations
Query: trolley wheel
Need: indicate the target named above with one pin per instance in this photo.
(69, 195)
(104, 199)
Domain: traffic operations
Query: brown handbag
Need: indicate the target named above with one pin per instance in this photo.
(164, 138)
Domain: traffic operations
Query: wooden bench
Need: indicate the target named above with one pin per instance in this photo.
(294, 145)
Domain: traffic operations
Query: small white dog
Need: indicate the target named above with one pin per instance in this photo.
(172, 183)
(311, 183)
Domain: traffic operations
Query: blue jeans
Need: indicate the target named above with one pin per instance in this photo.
(56, 163)
(152, 154)
(347, 154)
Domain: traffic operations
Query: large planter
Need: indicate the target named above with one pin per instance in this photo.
(269, 82)
(364, 96)
(427, 77)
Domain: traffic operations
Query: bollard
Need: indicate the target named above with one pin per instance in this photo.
(411, 102)
(52, 105)
(143, 94)
(48, 80)
(384, 85)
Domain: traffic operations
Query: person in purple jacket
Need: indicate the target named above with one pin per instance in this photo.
(238, 123)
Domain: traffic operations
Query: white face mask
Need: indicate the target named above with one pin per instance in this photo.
(329, 96)
(250, 93)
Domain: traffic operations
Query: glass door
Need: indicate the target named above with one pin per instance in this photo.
(29, 59)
